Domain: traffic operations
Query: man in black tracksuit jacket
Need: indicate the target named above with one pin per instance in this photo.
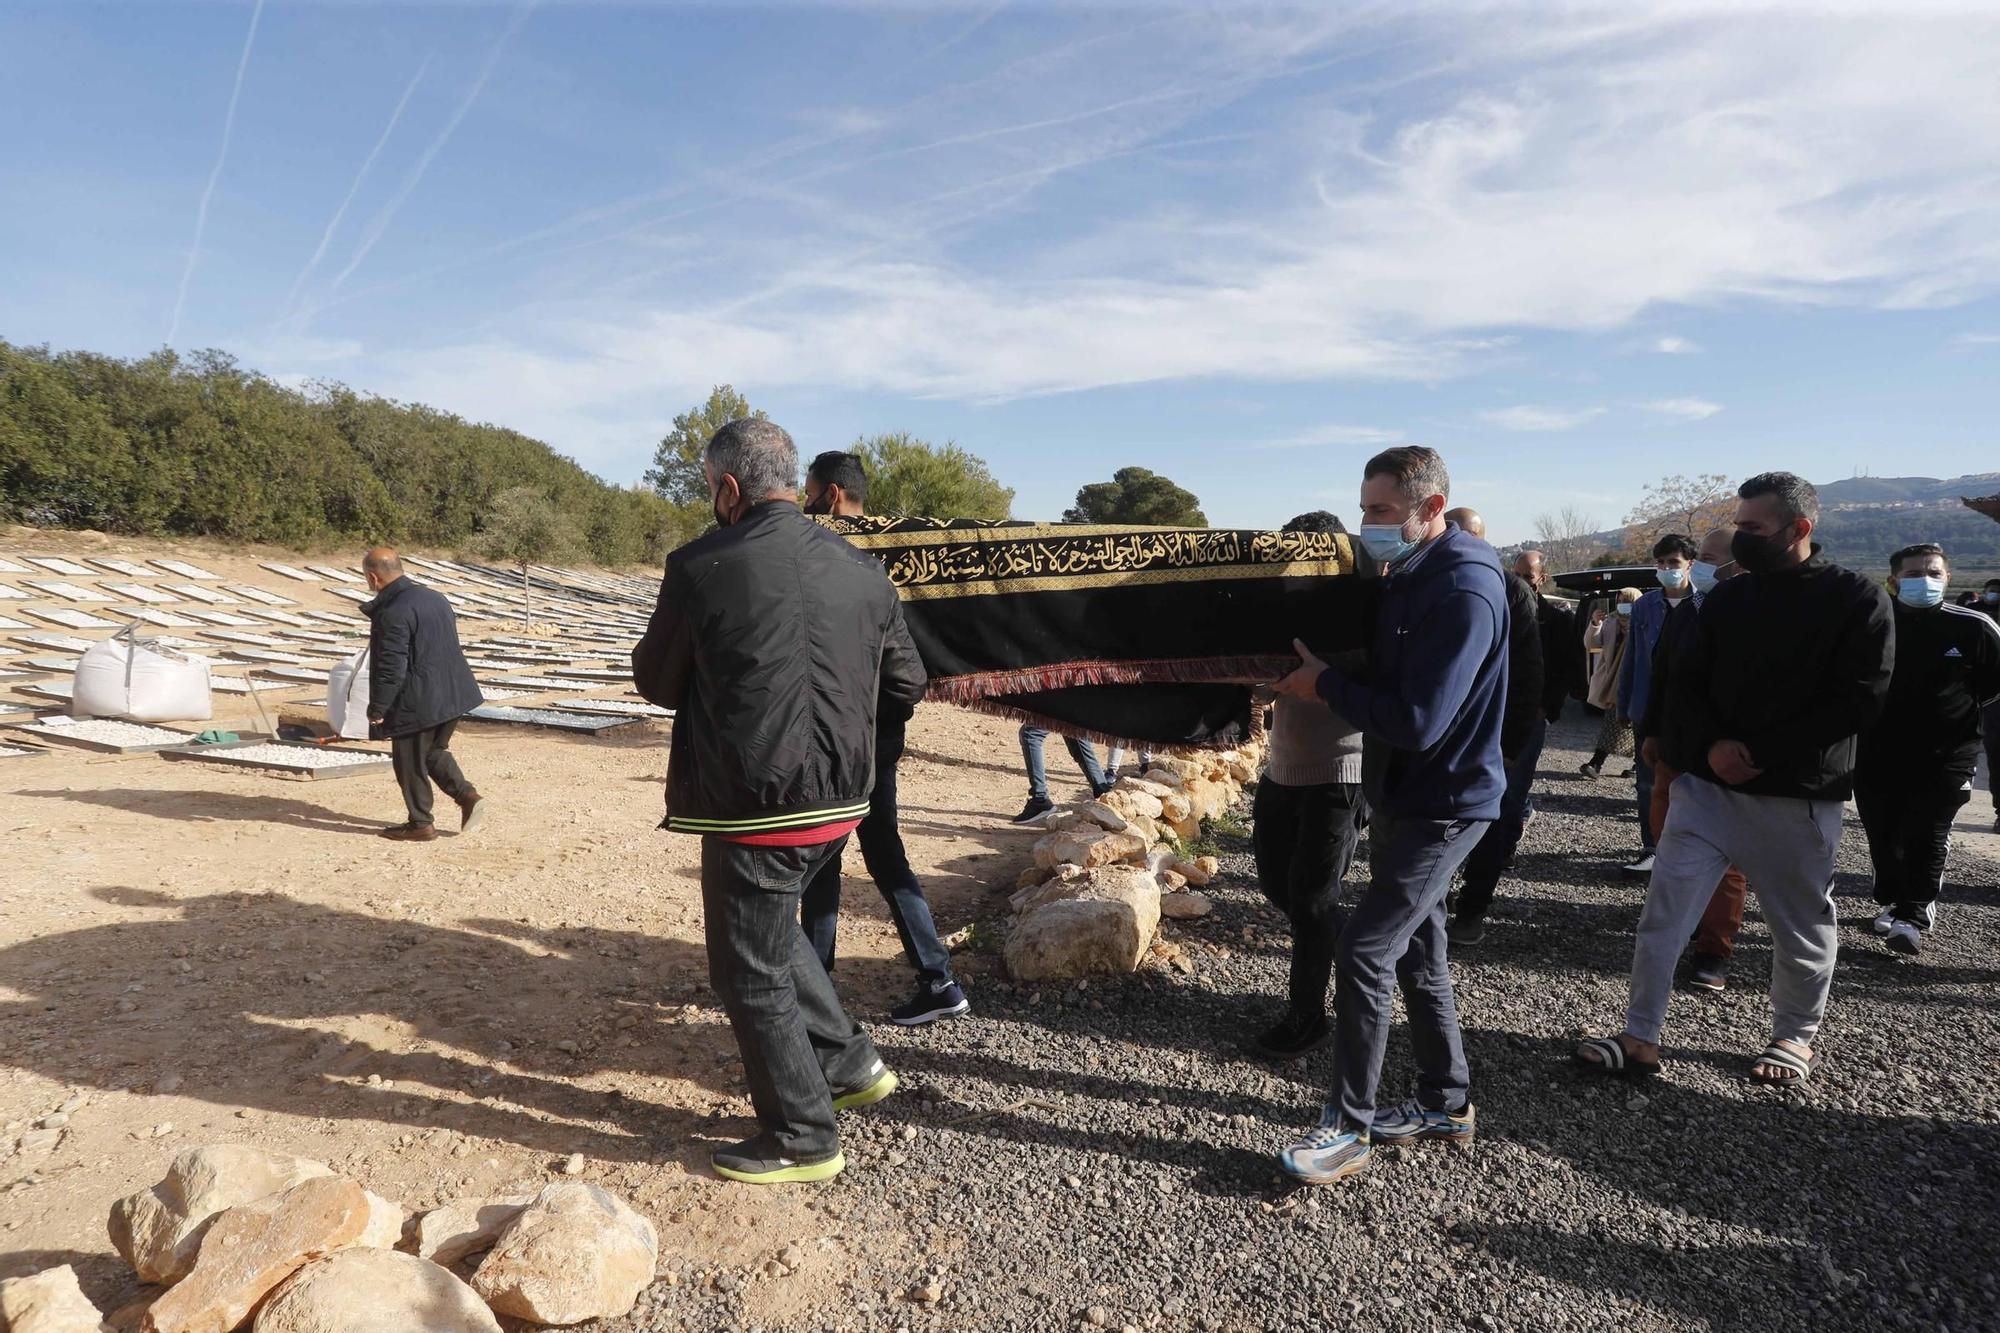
(419, 685)
(1916, 763)
(773, 640)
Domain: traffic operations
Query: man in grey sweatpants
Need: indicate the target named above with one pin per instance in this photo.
(1788, 663)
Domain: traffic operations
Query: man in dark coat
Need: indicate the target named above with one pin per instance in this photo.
(418, 687)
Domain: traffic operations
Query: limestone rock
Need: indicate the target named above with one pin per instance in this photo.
(1096, 847)
(1175, 766)
(1161, 777)
(1103, 927)
(1137, 787)
(1170, 882)
(1185, 906)
(1209, 867)
(1193, 871)
(384, 1230)
(1143, 828)
(253, 1247)
(577, 1252)
(369, 1291)
(466, 1226)
(1097, 812)
(1242, 771)
(49, 1302)
(158, 1230)
(1030, 877)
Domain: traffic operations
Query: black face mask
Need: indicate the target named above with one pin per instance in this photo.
(823, 505)
(1760, 555)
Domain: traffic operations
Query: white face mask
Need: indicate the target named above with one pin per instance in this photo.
(1624, 608)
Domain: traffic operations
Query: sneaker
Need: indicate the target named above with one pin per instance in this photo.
(1707, 972)
(1904, 938)
(1324, 1155)
(1528, 819)
(1591, 770)
(758, 1162)
(1883, 920)
(1036, 807)
(409, 833)
(1465, 929)
(1293, 1035)
(881, 1081)
(1411, 1123)
(929, 1004)
(1642, 866)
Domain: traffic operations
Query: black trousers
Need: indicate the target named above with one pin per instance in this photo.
(798, 1045)
(424, 757)
(1907, 817)
(1304, 838)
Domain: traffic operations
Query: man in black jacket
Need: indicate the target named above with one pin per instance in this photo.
(1523, 730)
(1916, 763)
(418, 687)
(773, 640)
(1562, 645)
(1790, 662)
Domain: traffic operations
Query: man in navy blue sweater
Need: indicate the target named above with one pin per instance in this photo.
(1429, 714)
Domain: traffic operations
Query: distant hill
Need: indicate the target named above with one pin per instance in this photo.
(1919, 490)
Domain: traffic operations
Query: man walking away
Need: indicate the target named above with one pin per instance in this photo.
(1916, 763)
(419, 685)
(1033, 739)
(1715, 936)
(1523, 729)
(1790, 662)
(1430, 717)
(836, 483)
(1562, 642)
(1305, 821)
(773, 758)
(1673, 558)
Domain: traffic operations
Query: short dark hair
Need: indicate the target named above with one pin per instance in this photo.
(1419, 472)
(1675, 543)
(1993, 583)
(1795, 495)
(1914, 550)
(837, 467)
(1317, 520)
(759, 454)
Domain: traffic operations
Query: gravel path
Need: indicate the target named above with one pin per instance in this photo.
(1102, 1156)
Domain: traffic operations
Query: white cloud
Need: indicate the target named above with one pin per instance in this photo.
(1524, 417)
(1329, 435)
(1687, 409)
(1673, 345)
(1977, 339)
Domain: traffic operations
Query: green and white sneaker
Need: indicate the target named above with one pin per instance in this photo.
(758, 1162)
(880, 1083)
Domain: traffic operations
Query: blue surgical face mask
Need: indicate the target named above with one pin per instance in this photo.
(1386, 542)
(1672, 578)
(1624, 608)
(1920, 592)
(1989, 596)
(1702, 575)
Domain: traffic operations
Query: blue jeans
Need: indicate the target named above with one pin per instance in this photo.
(1642, 779)
(889, 866)
(1488, 861)
(1083, 752)
(1396, 933)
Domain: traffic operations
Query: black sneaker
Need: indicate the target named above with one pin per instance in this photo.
(1465, 929)
(1036, 807)
(929, 1004)
(1707, 972)
(758, 1162)
(1293, 1036)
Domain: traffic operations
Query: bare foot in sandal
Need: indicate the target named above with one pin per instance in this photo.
(1784, 1061)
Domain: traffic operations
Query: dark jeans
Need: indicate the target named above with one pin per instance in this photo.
(1642, 782)
(1908, 816)
(1304, 839)
(1991, 719)
(1083, 752)
(1488, 861)
(424, 757)
(889, 866)
(1397, 931)
(797, 1043)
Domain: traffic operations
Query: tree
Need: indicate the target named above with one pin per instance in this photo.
(1563, 538)
(1137, 495)
(911, 478)
(525, 527)
(676, 471)
(1691, 506)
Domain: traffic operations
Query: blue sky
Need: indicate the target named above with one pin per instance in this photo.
(1576, 248)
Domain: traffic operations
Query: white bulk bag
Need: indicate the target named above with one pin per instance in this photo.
(141, 680)
(347, 698)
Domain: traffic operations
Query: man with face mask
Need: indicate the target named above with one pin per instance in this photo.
(1916, 763)
(772, 764)
(1790, 662)
(1430, 714)
(1673, 560)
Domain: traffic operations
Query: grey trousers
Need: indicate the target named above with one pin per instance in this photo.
(1395, 935)
(1784, 846)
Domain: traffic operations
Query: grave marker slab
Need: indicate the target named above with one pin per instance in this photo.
(288, 572)
(291, 757)
(12, 594)
(56, 564)
(186, 571)
(337, 575)
(195, 592)
(590, 724)
(103, 734)
(140, 593)
(125, 567)
(261, 595)
(69, 592)
(69, 619)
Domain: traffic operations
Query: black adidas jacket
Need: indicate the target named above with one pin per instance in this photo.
(1947, 670)
(773, 640)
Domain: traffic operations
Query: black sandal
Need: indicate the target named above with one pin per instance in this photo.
(1780, 1056)
(1613, 1061)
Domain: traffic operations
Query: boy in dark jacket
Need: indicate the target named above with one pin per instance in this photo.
(419, 685)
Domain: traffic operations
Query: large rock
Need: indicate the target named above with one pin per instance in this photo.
(253, 1247)
(373, 1291)
(49, 1302)
(1101, 814)
(1088, 848)
(384, 1230)
(465, 1227)
(577, 1252)
(158, 1230)
(1103, 927)
(1185, 906)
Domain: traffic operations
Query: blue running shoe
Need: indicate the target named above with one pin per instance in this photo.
(1331, 1152)
(1411, 1122)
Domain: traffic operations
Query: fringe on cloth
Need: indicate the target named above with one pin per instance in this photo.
(985, 687)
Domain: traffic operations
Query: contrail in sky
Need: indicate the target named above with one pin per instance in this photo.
(201, 213)
(333, 224)
(380, 222)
